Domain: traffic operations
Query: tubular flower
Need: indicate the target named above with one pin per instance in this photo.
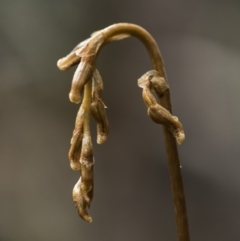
(153, 81)
(86, 81)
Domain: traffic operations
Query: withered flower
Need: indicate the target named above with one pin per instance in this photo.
(82, 75)
(98, 108)
(153, 81)
(80, 202)
(83, 190)
(72, 58)
(76, 141)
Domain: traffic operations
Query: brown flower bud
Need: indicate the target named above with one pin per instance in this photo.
(160, 115)
(68, 61)
(81, 76)
(158, 83)
(98, 108)
(76, 141)
(147, 95)
(80, 202)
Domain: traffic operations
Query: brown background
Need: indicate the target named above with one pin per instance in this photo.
(200, 43)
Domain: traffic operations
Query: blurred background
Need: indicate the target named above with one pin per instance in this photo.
(200, 43)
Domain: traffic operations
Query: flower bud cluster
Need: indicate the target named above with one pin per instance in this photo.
(86, 82)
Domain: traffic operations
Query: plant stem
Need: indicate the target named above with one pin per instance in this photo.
(170, 143)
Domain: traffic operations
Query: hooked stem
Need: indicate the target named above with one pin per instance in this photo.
(86, 103)
(165, 101)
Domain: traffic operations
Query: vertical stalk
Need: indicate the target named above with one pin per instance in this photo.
(176, 178)
(170, 143)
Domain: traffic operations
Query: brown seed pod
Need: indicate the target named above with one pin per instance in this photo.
(81, 76)
(98, 108)
(76, 141)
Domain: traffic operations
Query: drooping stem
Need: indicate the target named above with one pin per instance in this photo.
(165, 101)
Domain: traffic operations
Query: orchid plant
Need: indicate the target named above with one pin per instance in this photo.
(87, 89)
